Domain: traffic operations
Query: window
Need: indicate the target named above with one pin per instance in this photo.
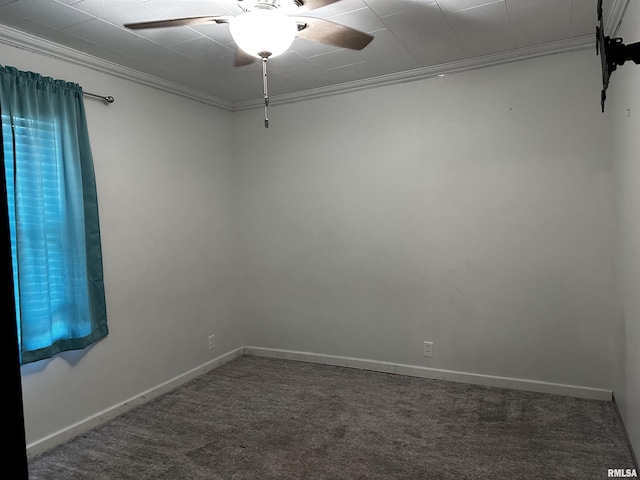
(55, 241)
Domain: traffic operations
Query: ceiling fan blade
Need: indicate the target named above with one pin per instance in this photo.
(180, 22)
(330, 33)
(242, 58)
(313, 4)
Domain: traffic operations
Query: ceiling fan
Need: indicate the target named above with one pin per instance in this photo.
(267, 28)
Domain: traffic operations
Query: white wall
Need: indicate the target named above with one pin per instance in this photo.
(623, 104)
(164, 177)
(473, 210)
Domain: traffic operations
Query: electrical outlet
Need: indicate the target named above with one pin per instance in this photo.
(428, 349)
(212, 342)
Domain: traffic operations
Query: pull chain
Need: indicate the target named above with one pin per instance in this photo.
(266, 92)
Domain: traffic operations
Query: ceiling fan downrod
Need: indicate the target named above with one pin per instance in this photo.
(265, 90)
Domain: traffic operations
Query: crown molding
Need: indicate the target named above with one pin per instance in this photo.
(578, 43)
(614, 19)
(25, 41)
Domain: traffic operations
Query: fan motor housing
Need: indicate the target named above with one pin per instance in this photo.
(269, 4)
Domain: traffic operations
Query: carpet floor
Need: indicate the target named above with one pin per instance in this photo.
(261, 418)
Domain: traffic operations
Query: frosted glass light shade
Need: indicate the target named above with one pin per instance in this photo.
(263, 32)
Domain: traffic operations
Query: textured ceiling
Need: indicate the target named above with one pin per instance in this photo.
(411, 36)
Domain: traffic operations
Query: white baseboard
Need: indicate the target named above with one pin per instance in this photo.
(93, 421)
(437, 374)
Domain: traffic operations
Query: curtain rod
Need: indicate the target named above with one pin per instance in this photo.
(104, 98)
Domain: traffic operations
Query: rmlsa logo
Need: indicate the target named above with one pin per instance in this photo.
(622, 472)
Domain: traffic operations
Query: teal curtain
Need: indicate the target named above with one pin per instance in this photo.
(53, 215)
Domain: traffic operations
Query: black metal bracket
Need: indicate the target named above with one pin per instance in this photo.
(613, 53)
(617, 53)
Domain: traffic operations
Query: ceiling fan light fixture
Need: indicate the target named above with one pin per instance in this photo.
(263, 32)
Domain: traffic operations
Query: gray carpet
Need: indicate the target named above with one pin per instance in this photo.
(258, 418)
